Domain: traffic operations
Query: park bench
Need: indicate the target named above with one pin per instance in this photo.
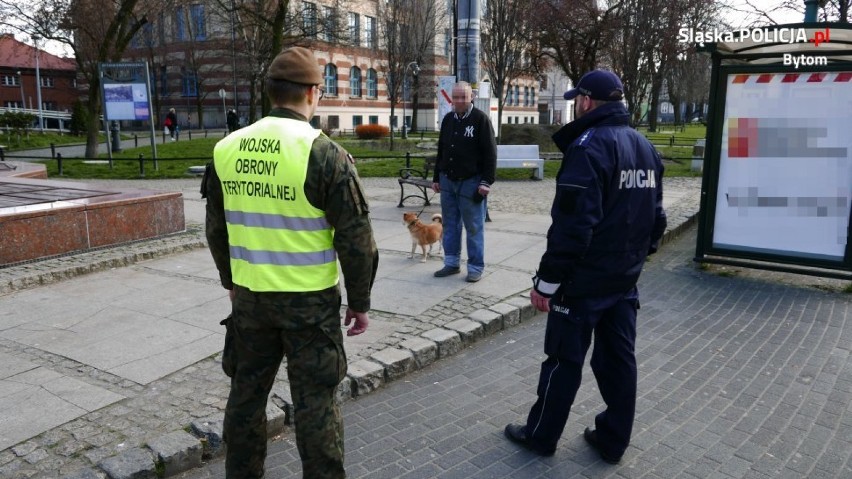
(420, 179)
(521, 156)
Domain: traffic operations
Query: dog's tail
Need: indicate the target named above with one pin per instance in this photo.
(437, 218)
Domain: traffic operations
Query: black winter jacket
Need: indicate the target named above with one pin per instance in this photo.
(608, 210)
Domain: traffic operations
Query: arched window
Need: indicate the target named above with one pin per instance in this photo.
(372, 84)
(355, 82)
(532, 96)
(517, 96)
(331, 80)
(526, 97)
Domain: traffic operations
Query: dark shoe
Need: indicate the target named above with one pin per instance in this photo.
(473, 277)
(446, 271)
(518, 434)
(592, 438)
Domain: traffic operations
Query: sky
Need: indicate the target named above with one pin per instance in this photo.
(740, 18)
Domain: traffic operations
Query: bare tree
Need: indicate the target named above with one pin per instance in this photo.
(96, 31)
(509, 45)
(407, 31)
(574, 33)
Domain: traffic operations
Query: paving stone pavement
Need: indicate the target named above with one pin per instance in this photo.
(742, 374)
(142, 412)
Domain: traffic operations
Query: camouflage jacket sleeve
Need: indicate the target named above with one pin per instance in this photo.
(332, 185)
(216, 229)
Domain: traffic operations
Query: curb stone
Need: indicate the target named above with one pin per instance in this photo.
(425, 351)
(470, 331)
(491, 321)
(449, 342)
(176, 452)
(366, 376)
(209, 430)
(396, 362)
(136, 463)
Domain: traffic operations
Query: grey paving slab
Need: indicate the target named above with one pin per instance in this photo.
(44, 399)
(501, 283)
(413, 295)
(13, 365)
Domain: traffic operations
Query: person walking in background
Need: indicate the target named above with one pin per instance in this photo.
(233, 121)
(464, 173)
(170, 123)
(276, 229)
(607, 218)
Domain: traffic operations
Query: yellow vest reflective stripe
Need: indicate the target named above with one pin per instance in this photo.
(278, 240)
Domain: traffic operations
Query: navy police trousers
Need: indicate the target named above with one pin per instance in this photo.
(571, 325)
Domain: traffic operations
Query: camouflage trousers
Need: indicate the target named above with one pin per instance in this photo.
(306, 329)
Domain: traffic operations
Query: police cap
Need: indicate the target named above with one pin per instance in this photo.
(297, 65)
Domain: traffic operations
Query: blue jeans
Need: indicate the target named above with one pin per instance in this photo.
(458, 208)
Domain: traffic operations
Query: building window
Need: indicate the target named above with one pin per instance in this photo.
(369, 32)
(180, 25)
(190, 83)
(331, 80)
(309, 19)
(532, 96)
(355, 82)
(448, 42)
(357, 120)
(355, 29)
(11, 80)
(509, 96)
(333, 122)
(197, 13)
(328, 26)
(517, 98)
(12, 104)
(49, 105)
(372, 84)
(526, 97)
(47, 82)
(373, 119)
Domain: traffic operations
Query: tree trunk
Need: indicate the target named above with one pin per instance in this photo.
(93, 124)
(414, 100)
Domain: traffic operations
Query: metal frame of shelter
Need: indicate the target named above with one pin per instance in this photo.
(748, 57)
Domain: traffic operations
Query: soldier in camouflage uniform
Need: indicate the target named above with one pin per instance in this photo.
(274, 239)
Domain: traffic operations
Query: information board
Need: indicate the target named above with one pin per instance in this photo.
(785, 165)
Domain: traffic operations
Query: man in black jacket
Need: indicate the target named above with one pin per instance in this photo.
(607, 218)
(467, 158)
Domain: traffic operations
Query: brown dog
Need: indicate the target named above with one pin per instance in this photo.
(423, 234)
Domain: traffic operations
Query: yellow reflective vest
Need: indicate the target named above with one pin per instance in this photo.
(278, 240)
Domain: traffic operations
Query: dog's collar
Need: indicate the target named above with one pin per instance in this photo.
(413, 222)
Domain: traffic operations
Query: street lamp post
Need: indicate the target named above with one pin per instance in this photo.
(36, 38)
(21, 84)
(415, 70)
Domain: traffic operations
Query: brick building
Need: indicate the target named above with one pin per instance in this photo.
(18, 81)
(195, 54)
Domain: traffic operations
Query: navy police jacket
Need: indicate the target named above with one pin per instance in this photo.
(608, 210)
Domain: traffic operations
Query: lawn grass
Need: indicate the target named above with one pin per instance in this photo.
(372, 159)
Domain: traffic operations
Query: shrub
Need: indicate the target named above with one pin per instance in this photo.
(18, 121)
(79, 117)
(371, 132)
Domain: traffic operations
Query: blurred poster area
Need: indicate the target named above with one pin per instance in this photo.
(777, 186)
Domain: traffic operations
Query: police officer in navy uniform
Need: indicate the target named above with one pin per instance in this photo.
(284, 204)
(607, 217)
